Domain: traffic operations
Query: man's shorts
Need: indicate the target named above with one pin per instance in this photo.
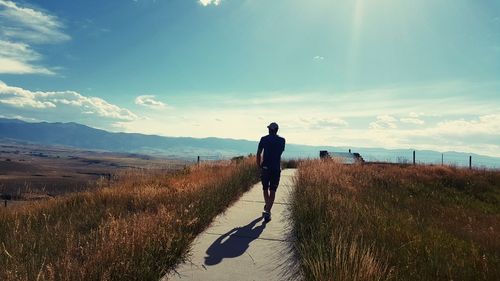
(270, 179)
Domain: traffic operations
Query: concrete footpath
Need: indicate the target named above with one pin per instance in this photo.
(239, 246)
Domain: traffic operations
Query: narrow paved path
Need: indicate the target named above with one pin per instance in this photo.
(238, 246)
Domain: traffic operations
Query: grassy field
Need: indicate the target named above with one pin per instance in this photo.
(390, 222)
(136, 229)
(31, 171)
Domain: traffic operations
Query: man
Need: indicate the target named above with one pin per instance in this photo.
(273, 146)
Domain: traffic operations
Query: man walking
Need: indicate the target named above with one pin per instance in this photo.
(273, 146)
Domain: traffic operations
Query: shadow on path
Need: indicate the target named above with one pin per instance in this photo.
(234, 243)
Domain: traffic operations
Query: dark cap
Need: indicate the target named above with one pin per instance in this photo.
(273, 126)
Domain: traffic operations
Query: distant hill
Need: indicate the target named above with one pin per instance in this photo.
(84, 137)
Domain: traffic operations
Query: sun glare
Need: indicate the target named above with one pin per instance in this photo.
(356, 30)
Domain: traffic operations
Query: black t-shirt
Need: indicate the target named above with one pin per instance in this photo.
(273, 146)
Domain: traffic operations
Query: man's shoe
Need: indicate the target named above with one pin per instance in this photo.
(267, 217)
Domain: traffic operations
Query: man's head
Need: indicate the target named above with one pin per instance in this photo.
(273, 128)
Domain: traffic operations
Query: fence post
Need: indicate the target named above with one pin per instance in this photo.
(413, 157)
(198, 161)
(470, 162)
(5, 203)
(442, 159)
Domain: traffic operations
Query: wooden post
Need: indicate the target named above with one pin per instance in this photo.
(470, 162)
(198, 161)
(413, 157)
(442, 159)
(5, 203)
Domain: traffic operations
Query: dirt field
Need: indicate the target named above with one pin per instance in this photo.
(30, 172)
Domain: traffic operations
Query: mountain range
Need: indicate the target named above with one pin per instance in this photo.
(84, 137)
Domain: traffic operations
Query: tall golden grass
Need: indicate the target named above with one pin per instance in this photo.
(136, 229)
(383, 222)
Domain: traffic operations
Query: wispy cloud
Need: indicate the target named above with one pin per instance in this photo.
(478, 134)
(483, 125)
(423, 116)
(326, 123)
(440, 98)
(318, 58)
(375, 118)
(19, 58)
(384, 122)
(23, 27)
(149, 101)
(263, 100)
(410, 120)
(209, 2)
(30, 25)
(67, 105)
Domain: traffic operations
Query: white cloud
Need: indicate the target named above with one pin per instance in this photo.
(413, 118)
(430, 100)
(20, 117)
(479, 135)
(262, 99)
(318, 58)
(415, 115)
(30, 25)
(303, 117)
(325, 123)
(19, 58)
(21, 28)
(415, 121)
(336, 119)
(209, 2)
(483, 125)
(441, 105)
(17, 51)
(384, 122)
(149, 101)
(61, 102)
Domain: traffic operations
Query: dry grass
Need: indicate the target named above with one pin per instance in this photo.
(380, 222)
(290, 163)
(136, 229)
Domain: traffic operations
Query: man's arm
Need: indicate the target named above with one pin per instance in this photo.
(259, 153)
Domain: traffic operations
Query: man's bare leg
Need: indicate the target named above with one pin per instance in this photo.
(266, 199)
(270, 200)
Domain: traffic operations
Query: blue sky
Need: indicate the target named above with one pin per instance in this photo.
(372, 73)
